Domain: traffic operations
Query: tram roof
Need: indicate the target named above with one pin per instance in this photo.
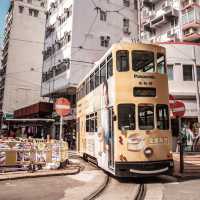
(122, 45)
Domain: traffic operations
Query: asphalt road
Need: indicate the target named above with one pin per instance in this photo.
(76, 187)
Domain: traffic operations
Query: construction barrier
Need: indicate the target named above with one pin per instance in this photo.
(27, 151)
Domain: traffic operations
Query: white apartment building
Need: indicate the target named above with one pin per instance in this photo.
(78, 33)
(176, 23)
(22, 54)
(170, 20)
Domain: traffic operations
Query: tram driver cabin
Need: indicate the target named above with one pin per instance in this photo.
(123, 114)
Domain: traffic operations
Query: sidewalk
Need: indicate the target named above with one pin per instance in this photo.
(186, 175)
(40, 173)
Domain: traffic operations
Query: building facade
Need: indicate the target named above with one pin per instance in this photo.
(170, 20)
(78, 33)
(176, 23)
(22, 54)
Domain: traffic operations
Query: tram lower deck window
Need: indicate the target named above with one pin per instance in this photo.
(162, 114)
(126, 116)
(146, 117)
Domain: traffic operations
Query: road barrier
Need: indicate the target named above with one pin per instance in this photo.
(20, 151)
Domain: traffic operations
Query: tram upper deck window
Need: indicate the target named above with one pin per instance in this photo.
(122, 60)
(143, 61)
(109, 66)
(146, 117)
(126, 116)
(92, 82)
(103, 72)
(161, 68)
(97, 79)
(162, 114)
(87, 85)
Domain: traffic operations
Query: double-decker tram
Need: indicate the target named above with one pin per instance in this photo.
(122, 112)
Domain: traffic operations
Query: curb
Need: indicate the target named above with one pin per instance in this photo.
(39, 175)
(182, 177)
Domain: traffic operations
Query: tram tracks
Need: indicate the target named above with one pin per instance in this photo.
(141, 192)
(104, 193)
(100, 190)
(111, 185)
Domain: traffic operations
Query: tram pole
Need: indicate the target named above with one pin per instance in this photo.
(61, 125)
(181, 146)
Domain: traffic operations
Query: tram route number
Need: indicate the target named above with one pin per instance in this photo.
(158, 140)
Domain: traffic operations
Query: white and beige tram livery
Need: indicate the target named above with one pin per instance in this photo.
(122, 112)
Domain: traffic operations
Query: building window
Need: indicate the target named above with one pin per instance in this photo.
(36, 13)
(104, 41)
(103, 15)
(21, 9)
(198, 73)
(33, 12)
(42, 4)
(170, 72)
(126, 25)
(187, 73)
(30, 12)
(126, 3)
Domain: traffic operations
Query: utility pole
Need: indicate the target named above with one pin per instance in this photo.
(139, 8)
(196, 82)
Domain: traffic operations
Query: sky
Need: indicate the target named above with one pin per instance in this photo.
(4, 4)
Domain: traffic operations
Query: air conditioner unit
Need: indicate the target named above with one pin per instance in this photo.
(171, 33)
(191, 31)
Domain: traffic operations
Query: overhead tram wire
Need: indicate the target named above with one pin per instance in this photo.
(40, 42)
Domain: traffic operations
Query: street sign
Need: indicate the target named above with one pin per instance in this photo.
(62, 107)
(171, 101)
(178, 109)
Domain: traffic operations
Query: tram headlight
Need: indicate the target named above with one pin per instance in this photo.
(148, 152)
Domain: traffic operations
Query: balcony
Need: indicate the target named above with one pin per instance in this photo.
(160, 18)
(191, 35)
(167, 16)
(149, 3)
(185, 4)
(191, 18)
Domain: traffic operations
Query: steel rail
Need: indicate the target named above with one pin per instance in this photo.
(99, 190)
(141, 192)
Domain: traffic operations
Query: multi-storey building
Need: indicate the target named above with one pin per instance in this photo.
(190, 10)
(22, 54)
(170, 20)
(78, 33)
(160, 20)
